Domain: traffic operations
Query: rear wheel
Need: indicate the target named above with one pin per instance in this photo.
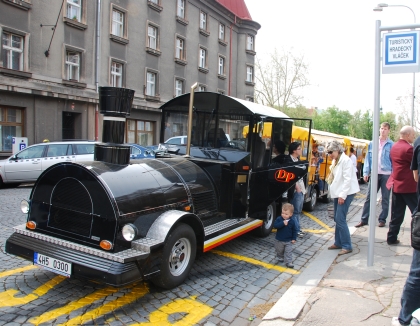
(177, 258)
(310, 205)
(265, 229)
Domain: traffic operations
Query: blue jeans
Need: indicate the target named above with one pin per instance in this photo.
(297, 203)
(342, 233)
(382, 180)
(410, 297)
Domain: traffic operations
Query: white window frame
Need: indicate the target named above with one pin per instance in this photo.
(221, 32)
(11, 50)
(202, 58)
(179, 86)
(152, 40)
(250, 42)
(73, 6)
(249, 74)
(117, 76)
(117, 28)
(180, 8)
(203, 20)
(70, 65)
(151, 83)
(201, 88)
(180, 48)
(221, 65)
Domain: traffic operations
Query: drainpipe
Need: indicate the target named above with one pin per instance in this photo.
(230, 58)
(97, 62)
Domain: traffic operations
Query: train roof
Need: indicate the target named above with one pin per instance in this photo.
(208, 101)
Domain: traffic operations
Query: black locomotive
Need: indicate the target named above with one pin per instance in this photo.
(118, 221)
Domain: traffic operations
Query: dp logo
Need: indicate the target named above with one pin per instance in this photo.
(283, 176)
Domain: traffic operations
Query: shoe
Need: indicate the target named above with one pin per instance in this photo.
(281, 260)
(344, 251)
(381, 224)
(301, 234)
(394, 243)
(358, 225)
(396, 322)
(290, 265)
(333, 247)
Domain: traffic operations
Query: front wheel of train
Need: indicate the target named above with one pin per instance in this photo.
(177, 258)
(265, 229)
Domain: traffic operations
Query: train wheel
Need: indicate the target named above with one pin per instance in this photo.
(310, 205)
(265, 229)
(177, 258)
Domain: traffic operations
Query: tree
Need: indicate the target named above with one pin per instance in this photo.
(333, 120)
(281, 79)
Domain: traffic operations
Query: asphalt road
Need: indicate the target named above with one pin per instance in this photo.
(234, 284)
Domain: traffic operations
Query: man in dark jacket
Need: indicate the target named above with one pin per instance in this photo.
(402, 182)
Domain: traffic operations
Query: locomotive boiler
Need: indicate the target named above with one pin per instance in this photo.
(116, 220)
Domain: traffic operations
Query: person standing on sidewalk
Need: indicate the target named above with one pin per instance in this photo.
(410, 302)
(402, 182)
(384, 171)
(295, 150)
(343, 187)
(415, 164)
(285, 235)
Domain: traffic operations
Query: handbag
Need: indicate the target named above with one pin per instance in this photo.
(415, 231)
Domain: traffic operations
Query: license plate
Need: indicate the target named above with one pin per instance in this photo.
(52, 264)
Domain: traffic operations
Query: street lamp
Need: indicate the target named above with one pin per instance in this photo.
(380, 8)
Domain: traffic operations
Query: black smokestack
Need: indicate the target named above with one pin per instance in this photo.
(115, 104)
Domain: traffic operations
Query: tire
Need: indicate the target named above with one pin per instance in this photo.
(326, 199)
(1, 183)
(310, 205)
(177, 257)
(265, 229)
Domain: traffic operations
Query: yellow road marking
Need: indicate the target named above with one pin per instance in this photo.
(359, 195)
(137, 291)
(195, 310)
(325, 226)
(17, 270)
(256, 262)
(7, 298)
(74, 305)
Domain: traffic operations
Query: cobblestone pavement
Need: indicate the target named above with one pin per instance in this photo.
(234, 284)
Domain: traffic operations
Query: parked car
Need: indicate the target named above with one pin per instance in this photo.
(28, 164)
(137, 152)
(177, 140)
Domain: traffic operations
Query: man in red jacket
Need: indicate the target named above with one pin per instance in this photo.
(402, 182)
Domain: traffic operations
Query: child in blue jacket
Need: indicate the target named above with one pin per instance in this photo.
(286, 235)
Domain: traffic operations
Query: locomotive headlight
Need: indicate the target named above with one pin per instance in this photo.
(129, 232)
(24, 206)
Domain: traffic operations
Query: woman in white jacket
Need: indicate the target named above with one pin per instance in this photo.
(343, 187)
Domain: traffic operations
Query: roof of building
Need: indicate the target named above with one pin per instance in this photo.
(238, 7)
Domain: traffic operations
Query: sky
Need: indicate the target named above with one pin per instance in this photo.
(337, 39)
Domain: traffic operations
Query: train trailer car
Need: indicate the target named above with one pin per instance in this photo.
(117, 221)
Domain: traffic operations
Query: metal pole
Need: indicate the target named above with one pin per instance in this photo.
(190, 114)
(375, 145)
(413, 98)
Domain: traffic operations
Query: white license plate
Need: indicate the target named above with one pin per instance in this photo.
(52, 264)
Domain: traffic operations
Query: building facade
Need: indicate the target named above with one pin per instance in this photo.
(55, 55)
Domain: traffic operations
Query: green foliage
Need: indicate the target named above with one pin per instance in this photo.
(333, 120)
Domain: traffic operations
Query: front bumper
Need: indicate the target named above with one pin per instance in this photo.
(114, 269)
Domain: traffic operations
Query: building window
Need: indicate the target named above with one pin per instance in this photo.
(180, 8)
(221, 32)
(180, 48)
(179, 87)
(249, 98)
(12, 51)
(221, 91)
(117, 23)
(201, 88)
(116, 74)
(11, 125)
(203, 20)
(221, 65)
(151, 78)
(73, 65)
(249, 74)
(74, 9)
(203, 58)
(152, 34)
(140, 132)
(154, 1)
(250, 43)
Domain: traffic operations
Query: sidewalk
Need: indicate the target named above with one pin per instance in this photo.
(341, 290)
